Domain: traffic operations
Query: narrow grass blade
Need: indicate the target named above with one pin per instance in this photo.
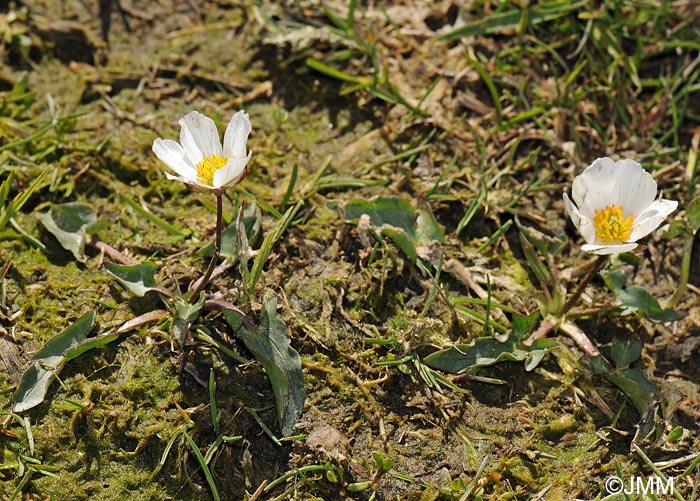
(16, 204)
(153, 218)
(215, 416)
(270, 240)
(511, 20)
(290, 187)
(495, 236)
(334, 73)
(470, 212)
(204, 466)
(488, 81)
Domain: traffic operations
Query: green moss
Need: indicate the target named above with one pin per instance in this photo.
(323, 224)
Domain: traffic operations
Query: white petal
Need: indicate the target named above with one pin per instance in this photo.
(583, 224)
(587, 230)
(231, 172)
(173, 155)
(634, 188)
(572, 211)
(652, 217)
(191, 182)
(604, 250)
(604, 182)
(199, 137)
(236, 135)
(592, 188)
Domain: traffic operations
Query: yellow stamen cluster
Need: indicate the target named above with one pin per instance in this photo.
(610, 227)
(207, 167)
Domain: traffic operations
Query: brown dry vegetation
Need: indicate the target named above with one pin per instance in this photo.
(484, 130)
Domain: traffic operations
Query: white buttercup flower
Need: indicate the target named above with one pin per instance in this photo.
(615, 205)
(199, 158)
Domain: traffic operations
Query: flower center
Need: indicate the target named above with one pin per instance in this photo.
(609, 226)
(207, 167)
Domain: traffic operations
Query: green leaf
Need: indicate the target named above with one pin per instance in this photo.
(271, 347)
(359, 486)
(522, 325)
(499, 22)
(486, 351)
(469, 358)
(471, 212)
(403, 241)
(185, 314)
(536, 265)
(488, 82)
(675, 434)
(391, 211)
(384, 464)
(161, 223)
(615, 281)
(636, 298)
(4, 193)
(631, 381)
(32, 388)
(533, 359)
(600, 366)
(678, 228)
(68, 223)
(229, 237)
(71, 337)
(693, 214)
(427, 227)
(636, 386)
(625, 351)
(395, 218)
(137, 279)
(48, 361)
(203, 465)
(90, 344)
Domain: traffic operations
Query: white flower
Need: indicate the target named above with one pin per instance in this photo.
(615, 206)
(199, 159)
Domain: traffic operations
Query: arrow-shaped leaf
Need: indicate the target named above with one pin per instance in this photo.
(271, 347)
(635, 298)
(48, 361)
(137, 279)
(392, 211)
(185, 314)
(68, 223)
(488, 351)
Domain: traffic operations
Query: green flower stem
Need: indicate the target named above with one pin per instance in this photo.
(673, 301)
(217, 247)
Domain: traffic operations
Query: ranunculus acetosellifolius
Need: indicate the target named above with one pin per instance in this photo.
(614, 205)
(199, 159)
